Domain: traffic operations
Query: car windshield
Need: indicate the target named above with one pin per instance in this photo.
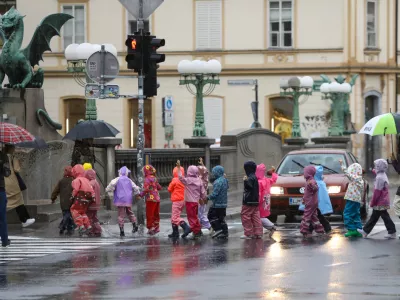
(294, 164)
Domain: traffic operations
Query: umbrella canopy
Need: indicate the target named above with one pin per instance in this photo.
(383, 124)
(13, 134)
(90, 130)
(38, 143)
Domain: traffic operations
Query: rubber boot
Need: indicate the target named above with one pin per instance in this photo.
(135, 228)
(121, 232)
(175, 232)
(186, 229)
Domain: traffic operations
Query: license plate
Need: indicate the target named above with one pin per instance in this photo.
(295, 201)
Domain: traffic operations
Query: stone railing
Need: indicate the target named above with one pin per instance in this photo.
(163, 160)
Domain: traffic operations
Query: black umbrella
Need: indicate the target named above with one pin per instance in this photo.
(37, 143)
(90, 130)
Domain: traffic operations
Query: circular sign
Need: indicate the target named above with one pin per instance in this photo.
(169, 104)
(95, 68)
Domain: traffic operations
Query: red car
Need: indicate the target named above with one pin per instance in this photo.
(287, 192)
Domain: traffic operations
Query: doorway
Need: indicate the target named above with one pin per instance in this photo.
(373, 144)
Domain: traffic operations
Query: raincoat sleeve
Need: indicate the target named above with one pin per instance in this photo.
(111, 187)
(273, 179)
(377, 196)
(76, 186)
(249, 183)
(216, 190)
(146, 186)
(203, 192)
(135, 189)
(312, 186)
(171, 186)
(181, 178)
(55, 192)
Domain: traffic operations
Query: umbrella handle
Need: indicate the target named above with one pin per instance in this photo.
(384, 131)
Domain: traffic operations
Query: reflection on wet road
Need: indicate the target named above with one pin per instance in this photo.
(286, 267)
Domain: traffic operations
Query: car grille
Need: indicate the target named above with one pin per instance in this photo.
(294, 191)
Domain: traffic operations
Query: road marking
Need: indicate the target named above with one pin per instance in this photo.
(337, 264)
(23, 248)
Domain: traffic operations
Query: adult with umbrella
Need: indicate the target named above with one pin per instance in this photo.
(83, 134)
(11, 135)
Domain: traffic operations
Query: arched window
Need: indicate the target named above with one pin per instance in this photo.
(281, 116)
(75, 110)
(134, 122)
(213, 116)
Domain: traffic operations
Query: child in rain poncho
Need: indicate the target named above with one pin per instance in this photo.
(194, 192)
(250, 213)
(310, 217)
(380, 202)
(64, 190)
(264, 184)
(202, 214)
(353, 197)
(93, 208)
(83, 195)
(124, 190)
(324, 201)
(150, 192)
(219, 196)
(177, 190)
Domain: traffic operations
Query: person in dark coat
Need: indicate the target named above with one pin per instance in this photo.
(64, 190)
(250, 213)
(4, 172)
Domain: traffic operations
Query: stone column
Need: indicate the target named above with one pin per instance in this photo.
(202, 142)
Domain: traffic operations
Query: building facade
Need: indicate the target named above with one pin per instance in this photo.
(257, 39)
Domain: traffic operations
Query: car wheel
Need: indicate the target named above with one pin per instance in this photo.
(273, 218)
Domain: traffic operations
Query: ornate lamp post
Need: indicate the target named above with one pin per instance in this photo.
(203, 76)
(76, 56)
(295, 87)
(338, 93)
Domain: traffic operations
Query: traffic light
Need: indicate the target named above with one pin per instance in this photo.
(134, 58)
(152, 59)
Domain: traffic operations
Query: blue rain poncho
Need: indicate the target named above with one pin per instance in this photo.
(324, 202)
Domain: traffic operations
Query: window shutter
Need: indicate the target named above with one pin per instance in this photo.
(209, 24)
(213, 117)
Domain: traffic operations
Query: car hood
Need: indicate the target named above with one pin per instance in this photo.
(299, 181)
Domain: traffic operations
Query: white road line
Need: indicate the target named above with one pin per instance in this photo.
(23, 248)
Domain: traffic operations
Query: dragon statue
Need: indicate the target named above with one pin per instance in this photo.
(18, 64)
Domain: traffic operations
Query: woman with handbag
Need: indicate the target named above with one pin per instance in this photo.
(14, 187)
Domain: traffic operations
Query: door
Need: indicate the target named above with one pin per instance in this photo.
(373, 144)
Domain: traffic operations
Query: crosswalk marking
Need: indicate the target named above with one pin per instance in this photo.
(23, 248)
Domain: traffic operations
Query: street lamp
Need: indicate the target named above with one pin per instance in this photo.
(200, 74)
(337, 92)
(295, 87)
(76, 56)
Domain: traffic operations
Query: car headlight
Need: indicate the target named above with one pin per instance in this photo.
(334, 189)
(276, 190)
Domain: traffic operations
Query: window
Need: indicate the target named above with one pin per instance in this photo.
(75, 110)
(371, 24)
(134, 123)
(280, 24)
(213, 117)
(132, 25)
(209, 24)
(74, 29)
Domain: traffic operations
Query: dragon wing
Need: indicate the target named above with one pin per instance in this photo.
(49, 27)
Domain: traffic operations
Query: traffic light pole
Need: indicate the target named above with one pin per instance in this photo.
(141, 205)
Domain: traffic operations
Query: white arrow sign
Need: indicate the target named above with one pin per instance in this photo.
(133, 6)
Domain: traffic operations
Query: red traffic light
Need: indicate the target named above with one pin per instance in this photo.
(133, 44)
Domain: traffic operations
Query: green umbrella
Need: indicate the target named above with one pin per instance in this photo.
(383, 124)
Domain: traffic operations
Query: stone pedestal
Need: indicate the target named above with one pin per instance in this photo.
(201, 142)
(336, 142)
(26, 108)
(109, 172)
(293, 144)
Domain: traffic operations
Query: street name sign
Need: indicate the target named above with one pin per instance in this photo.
(242, 82)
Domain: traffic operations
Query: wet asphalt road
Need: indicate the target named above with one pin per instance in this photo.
(285, 267)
